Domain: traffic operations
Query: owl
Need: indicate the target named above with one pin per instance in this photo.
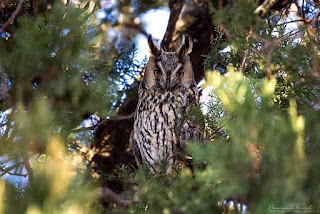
(167, 90)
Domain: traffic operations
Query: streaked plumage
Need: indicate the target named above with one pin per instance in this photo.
(167, 90)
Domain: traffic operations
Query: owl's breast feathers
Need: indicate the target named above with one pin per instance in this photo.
(156, 134)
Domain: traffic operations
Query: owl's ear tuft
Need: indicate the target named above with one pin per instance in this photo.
(155, 49)
(185, 46)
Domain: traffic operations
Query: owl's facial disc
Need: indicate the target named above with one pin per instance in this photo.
(169, 78)
(169, 71)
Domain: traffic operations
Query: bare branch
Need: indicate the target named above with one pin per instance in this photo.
(137, 28)
(244, 61)
(108, 194)
(268, 46)
(265, 7)
(17, 174)
(127, 117)
(292, 21)
(175, 10)
(302, 9)
(13, 16)
(26, 163)
(8, 169)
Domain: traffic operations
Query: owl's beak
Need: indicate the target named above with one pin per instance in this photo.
(168, 85)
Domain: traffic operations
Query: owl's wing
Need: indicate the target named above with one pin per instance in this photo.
(135, 149)
(190, 131)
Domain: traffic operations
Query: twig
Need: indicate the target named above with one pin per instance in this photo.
(136, 28)
(175, 10)
(265, 7)
(13, 16)
(107, 193)
(292, 21)
(303, 15)
(26, 163)
(268, 45)
(244, 61)
(17, 174)
(8, 169)
(127, 117)
(246, 52)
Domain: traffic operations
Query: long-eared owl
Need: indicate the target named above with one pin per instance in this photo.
(167, 90)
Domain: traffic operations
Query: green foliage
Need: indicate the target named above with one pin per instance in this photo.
(262, 136)
(52, 81)
(56, 64)
(258, 152)
(127, 67)
(57, 186)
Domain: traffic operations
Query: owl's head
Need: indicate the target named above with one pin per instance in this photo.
(169, 71)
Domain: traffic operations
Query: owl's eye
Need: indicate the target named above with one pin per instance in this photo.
(157, 73)
(180, 74)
